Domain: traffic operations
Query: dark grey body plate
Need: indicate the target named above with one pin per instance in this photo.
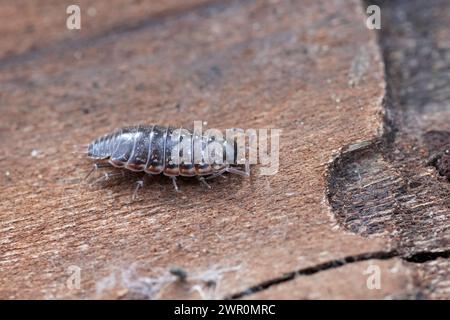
(151, 149)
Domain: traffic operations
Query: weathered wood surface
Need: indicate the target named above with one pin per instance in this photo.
(307, 67)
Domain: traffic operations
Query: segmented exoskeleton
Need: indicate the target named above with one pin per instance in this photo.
(158, 149)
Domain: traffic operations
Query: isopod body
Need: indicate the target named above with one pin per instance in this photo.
(158, 149)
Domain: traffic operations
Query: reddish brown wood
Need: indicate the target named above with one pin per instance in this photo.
(309, 68)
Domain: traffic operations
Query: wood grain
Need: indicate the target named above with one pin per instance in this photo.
(307, 67)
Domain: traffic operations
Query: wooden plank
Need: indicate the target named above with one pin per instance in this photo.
(308, 68)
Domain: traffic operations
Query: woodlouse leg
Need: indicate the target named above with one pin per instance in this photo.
(108, 176)
(139, 184)
(203, 181)
(245, 173)
(174, 181)
(217, 174)
(96, 167)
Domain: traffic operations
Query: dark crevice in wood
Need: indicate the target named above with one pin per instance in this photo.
(419, 257)
(373, 187)
(422, 257)
(385, 186)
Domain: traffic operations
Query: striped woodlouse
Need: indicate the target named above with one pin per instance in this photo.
(156, 150)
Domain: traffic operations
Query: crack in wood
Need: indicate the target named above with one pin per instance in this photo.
(419, 257)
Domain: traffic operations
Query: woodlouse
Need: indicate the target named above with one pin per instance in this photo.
(154, 149)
